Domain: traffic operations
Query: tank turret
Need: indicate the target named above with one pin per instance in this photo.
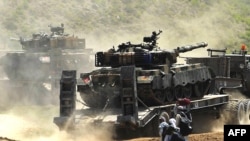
(43, 42)
(142, 55)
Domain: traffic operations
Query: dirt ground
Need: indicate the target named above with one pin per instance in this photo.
(26, 122)
(35, 123)
(213, 136)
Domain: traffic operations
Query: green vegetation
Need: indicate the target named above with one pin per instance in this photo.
(224, 23)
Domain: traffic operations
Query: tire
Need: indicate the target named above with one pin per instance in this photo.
(240, 112)
(247, 111)
(235, 112)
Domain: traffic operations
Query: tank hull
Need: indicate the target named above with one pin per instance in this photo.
(102, 86)
(39, 73)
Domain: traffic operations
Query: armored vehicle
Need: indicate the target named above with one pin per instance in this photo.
(39, 64)
(159, 78)
(136, 84)
(233, 65)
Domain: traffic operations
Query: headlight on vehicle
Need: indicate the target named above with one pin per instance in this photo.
(241, 66)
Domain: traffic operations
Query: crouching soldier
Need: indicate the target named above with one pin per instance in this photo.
(168, 130)
(183, 117)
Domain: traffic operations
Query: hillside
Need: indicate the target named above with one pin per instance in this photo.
(223, 24)
(108, 23)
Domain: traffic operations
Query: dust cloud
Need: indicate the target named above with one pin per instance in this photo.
(21, 118)
(20, 123)
(206, 26)
(228, 114)
(35, 123)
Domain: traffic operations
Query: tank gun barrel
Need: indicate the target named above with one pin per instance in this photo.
(14, 39)
(187, 48)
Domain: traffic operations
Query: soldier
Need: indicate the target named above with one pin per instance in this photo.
(154, 37)
(243, 49)
(168, 130)
(183, 117)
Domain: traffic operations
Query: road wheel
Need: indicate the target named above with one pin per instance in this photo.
(161, 96)
(169, 95)
(187, 91)
(178, 92)
(199, 90)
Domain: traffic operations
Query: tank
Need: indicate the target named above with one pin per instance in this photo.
(43, 42)
(43, 57)
(159, 79)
